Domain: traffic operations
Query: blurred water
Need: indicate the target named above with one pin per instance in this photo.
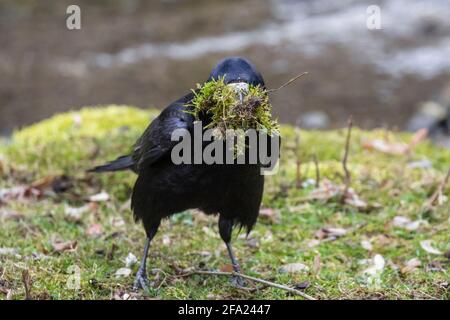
(152, 52)
(311, 26)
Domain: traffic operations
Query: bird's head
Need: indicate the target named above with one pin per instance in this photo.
(238, 73)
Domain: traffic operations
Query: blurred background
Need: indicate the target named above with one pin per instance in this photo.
(148, 53)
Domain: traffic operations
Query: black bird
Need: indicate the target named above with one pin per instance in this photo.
(163, 188)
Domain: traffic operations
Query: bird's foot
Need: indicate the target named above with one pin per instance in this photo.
(236, 280)
(141, 281)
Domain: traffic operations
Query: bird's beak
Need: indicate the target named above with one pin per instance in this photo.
(241, 89)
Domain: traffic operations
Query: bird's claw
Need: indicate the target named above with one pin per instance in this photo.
(141, 281)
(236, 280)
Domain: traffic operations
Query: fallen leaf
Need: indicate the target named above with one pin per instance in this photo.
(377, 264)
(421, 164)
(396, 148)
(406, 223)
(126, 206)
(294, 268)
(38, 256)
(99, 197)
(75, 214)
(11, 215)
(252, 242)
(366, 245)
(120, 295)
(435, 266)
(386, 147)
(56, 184)
(166, 240)
(268, 237)
(8, 251)
(418, 137)
(373, 273)
(209, 232)
(43, 183)
(227, 268)
(427, 246)
(354, 200)
(94, 230)
(312, 243)
(270, 214)
(411, 265)
(330, 233)
(205, 254)
(326, 191)
(123, 272)
(65, 246)
(308, 183)
(382, 240)
(19, 193)
(130, 260)
(77, 120)
(117, 222)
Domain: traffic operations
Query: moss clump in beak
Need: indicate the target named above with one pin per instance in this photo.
(237, 106)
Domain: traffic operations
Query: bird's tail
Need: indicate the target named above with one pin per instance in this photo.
(121, 163)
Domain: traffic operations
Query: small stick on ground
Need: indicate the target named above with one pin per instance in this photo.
(298, 163)
(316, 164)
(26, 280)
(265, 282)
(287, 83)
(347, 177)
(438, 191)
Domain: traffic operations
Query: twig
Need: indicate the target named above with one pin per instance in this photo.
(298, 163)
(26, 280)
(268, 283)
(316, 164)
(347, 178)
(438, 191)
(287, 83)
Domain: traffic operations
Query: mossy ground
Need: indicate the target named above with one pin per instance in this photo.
(70, 143)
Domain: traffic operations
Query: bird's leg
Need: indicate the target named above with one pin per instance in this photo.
(236, 267)
(236, 280)
(141, 275)
(225, 230)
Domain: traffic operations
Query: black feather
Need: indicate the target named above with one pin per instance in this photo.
(121, 163)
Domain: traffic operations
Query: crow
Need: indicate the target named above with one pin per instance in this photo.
(163, 188)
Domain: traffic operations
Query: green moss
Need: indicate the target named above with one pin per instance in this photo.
(220, 101)
(76, 140)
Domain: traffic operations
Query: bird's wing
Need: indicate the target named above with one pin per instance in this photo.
(156, 140)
